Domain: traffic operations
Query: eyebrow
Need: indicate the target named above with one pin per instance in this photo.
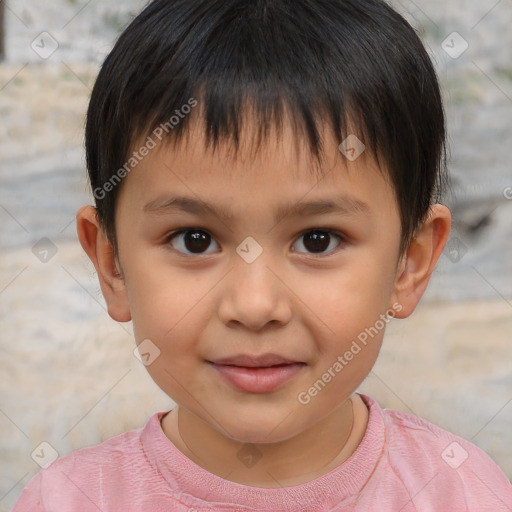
(340, 205)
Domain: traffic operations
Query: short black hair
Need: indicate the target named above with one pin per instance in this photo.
(334, 62)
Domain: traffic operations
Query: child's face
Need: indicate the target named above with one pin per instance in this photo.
(201, 302)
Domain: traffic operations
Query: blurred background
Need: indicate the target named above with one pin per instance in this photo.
(69, 377)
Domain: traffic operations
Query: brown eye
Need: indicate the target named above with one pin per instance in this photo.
(192, 241)
(318, 241)
(197, 241)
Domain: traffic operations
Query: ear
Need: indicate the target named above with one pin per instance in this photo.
(100, 251)
(418, 263)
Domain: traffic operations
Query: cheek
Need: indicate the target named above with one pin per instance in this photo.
(171, 315)
(348, 299)
(163, 305)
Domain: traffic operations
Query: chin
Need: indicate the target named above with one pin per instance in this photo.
(262, 428)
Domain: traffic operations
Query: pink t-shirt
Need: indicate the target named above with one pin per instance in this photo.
(402, 464)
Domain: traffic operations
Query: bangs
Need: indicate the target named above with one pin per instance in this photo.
(266, 63)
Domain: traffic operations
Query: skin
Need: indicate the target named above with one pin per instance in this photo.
(302, 305)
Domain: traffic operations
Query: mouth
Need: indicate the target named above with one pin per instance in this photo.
(257, 374)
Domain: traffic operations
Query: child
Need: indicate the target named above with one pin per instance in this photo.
(299, 144)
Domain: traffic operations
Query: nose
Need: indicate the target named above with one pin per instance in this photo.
(254, 296)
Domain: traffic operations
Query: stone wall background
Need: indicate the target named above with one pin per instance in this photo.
(68, 374)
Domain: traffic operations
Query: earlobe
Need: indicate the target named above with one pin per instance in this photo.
(100, 251)
(418, 263)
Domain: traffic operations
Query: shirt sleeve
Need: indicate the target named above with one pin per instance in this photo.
(30, 499)
(440, 468)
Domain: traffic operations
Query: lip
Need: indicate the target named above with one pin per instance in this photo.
(257, 374)
(248, 361)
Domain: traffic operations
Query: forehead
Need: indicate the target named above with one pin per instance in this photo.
(280, 164)
(282, 140)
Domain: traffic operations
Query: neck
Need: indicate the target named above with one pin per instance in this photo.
(308, 455)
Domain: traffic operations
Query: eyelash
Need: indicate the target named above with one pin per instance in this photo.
(174, 234)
